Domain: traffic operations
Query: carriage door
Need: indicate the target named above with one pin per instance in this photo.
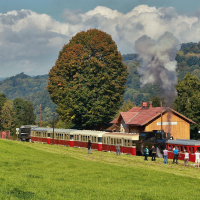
(48, 138)
(108, 144)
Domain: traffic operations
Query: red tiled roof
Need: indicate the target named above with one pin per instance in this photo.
(141, 116)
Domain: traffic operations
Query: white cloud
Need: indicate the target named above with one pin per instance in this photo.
(37, 38)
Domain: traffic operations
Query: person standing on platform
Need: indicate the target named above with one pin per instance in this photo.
(175, 155)
(165, 153)
(197, 160)
(153, 153)
(118, 148)
(146, 153)
(186, 159)
(89, 147)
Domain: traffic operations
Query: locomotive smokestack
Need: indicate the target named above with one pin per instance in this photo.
(158, 64)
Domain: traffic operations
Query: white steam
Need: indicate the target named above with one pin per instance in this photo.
(158, 63)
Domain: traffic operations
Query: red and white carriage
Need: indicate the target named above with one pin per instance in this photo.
(127, 142)
(191, 146)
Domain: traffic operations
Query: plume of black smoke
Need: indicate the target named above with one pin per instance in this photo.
(158, 63)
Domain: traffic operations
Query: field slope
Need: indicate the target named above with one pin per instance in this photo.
(41, 171)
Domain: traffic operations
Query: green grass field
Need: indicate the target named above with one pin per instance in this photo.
(41, 171)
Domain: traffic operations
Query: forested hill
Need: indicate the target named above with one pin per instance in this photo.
(22, 85)
(33, 88)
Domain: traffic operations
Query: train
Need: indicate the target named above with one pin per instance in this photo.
(130, 143)
(101, 140)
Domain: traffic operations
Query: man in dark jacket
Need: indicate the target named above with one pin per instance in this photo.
(153, 153)
(89, 147)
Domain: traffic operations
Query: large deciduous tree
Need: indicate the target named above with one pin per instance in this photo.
(88, 80)
(187, 101)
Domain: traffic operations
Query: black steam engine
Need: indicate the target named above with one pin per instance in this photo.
(154, 138)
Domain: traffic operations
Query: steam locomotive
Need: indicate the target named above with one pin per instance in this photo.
(154, 138)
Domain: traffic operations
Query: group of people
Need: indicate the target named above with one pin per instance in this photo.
(153, 154)
(175, 158)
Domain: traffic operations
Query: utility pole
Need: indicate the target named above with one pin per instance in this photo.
(40, 115)
(161, 114)
(53, 126)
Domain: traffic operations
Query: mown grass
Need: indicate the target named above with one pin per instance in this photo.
(41, 171)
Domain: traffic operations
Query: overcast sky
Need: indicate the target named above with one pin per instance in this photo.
(32, 32)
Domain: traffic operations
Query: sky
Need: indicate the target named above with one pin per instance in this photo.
(32, 32)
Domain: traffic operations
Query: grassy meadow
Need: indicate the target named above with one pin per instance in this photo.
(41, 171)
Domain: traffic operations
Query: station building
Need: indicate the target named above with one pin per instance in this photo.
(148, 118)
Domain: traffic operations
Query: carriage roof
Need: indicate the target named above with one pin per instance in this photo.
(122, 135)
(89, 132)
(56, 130)
(184, 142)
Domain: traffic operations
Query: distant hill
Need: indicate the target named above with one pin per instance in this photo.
(31, 89)
(188, 59)
(22, 85)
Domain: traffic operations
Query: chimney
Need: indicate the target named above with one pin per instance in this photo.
(150, 104)
(144, 104)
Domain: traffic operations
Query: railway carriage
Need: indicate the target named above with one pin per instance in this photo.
(127, 142)
(183, 145)
(39, 134)
(53, 136)
(81, 138)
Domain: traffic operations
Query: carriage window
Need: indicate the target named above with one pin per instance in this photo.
(185, 149)
(108, 141)
(66, 136)
(115, 141)
(71, 137)
(125, 143)
(120, 141)
(99, 139)
(112, 141)
(181, 149)
(192, 150)
(104, 140)
(129, 144)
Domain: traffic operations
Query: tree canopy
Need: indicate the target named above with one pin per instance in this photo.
(24, 114)
(187, 101)
(88, 80)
